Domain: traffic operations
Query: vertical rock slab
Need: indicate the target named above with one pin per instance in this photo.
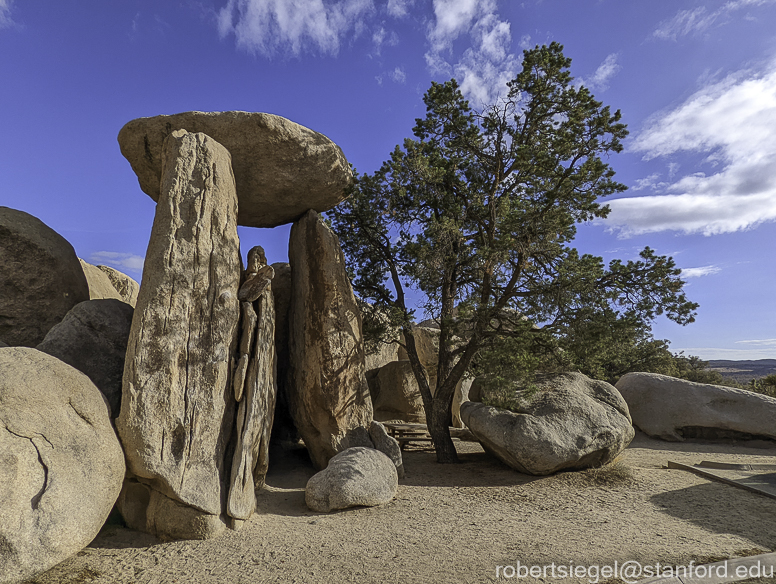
(177, 405)
(329, 397)
(259, 391)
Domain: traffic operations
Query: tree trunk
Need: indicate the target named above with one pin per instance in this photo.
(440, 432)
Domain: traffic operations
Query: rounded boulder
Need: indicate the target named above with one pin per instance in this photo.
(41, 278)
(61, 464)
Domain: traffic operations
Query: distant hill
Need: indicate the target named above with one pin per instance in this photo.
(743, 371)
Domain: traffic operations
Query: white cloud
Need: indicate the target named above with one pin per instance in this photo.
(710, 353)
(648, 182)
(269, 26)
(5, 13)
(487, 64)
(699, 272)
(120, 261)
(398, 75)
(696, 21)
(399, 8)
(765, 342)
(733, 124)
(606, 70)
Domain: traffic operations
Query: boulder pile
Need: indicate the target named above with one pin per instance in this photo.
(193, 364)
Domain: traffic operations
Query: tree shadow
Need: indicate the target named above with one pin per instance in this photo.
(723, 509)
(701, 446)
(476, 469)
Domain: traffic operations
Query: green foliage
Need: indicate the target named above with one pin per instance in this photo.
(765, 385)
(475, 215)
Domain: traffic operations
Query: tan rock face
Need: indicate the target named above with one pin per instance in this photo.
(100, 286)
(93, 338)
(670, 409)
(126, 287)
(177, 404)
(281, 169)
(396, 395)
(61, 465)
(329, 396)
(258, 395)
(41, 278)
(572, 422)
(355, 477)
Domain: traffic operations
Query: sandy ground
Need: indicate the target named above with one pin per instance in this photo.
(458, 523)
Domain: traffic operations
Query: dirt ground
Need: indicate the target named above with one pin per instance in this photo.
(459, 523)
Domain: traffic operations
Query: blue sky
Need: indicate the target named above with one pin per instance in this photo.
(696, 83)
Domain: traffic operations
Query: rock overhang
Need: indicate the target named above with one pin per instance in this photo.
(281, 168)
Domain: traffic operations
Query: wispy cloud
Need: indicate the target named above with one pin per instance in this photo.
(732, 123)
(606, 70)
(699, 20)
(698, 272)
(398, 75)
(399, 8)
(120, 261)
(763, 342)
(292, 26)
(488, 63)
(750, 353)
(5, 13)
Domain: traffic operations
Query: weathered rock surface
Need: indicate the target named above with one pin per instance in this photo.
(396, 395)
(127, 288)
(93, 338)
(427, 346)
(281, 169)
(388, 445)
(356, 476)
(100, 286)
(674, 409)
(257, 400)
(41, 278)
(329, 396)
(571, 423)
(177, 407)
(146, 509)
(61, 465)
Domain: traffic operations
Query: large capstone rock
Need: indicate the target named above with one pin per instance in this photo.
(100, 286)
(571, 422)
(41, 278)
(355, 477)
(61, 465)
(127, 287)
(675, 409)
(396, 395)
(281, 169)
(93, 338)
(329, 395)
(177, 408)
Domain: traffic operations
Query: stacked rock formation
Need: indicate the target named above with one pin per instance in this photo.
(177, 408)
(200, 384)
